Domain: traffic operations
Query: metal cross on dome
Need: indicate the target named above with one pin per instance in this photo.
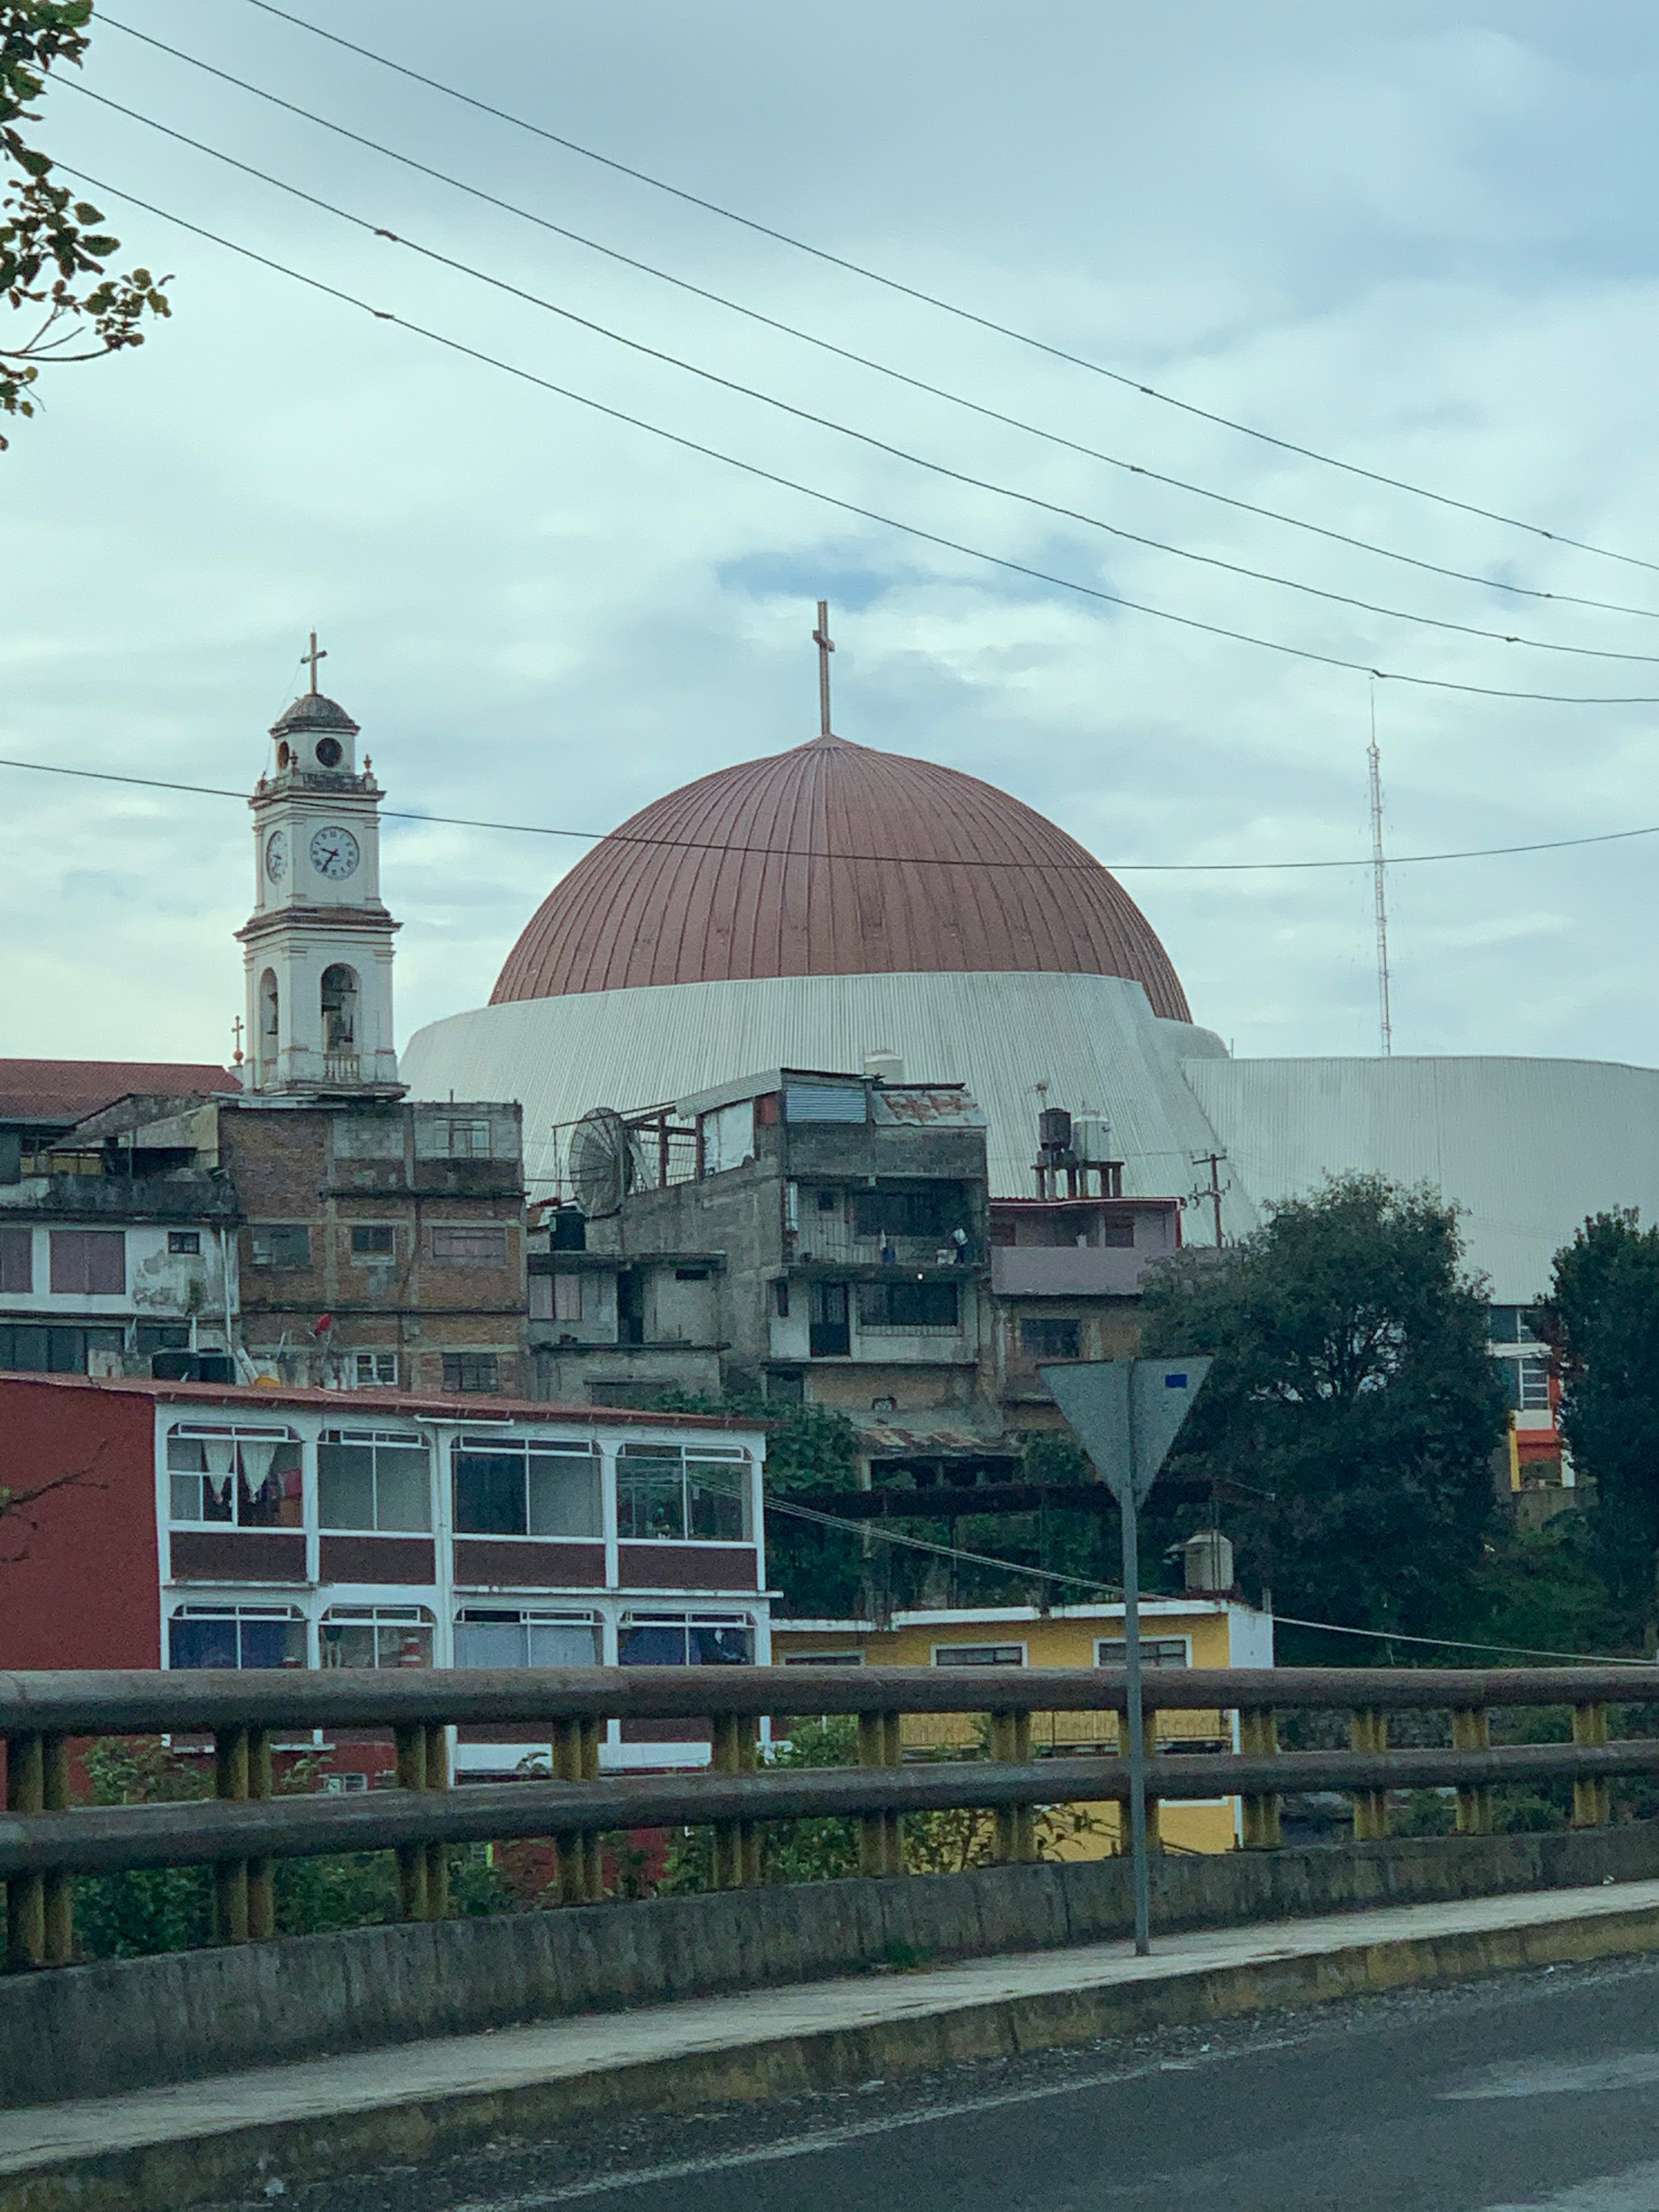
(317, 652)
(826, 645)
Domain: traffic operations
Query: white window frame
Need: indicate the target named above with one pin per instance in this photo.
(235, 1433)
(372, 1614)
(1147, 1644)
(395, 1439)
(937, 1660)
(372, 1381)
(566, 1447)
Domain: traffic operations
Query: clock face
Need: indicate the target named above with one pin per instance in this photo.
(276, 855)
(334, 854)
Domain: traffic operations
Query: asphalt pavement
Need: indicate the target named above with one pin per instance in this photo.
(1536, 2090)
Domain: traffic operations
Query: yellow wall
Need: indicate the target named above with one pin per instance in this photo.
(1055, 1640)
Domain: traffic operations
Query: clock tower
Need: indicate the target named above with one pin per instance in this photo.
(317, 951)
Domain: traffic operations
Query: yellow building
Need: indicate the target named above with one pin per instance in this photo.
(1183, 1631)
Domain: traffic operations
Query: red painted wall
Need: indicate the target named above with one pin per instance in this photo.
(80, 1579)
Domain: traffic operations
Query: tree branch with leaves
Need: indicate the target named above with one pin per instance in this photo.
(54, 256)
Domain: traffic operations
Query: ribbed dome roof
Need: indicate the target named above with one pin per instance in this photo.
(313, 710)
(834, 859)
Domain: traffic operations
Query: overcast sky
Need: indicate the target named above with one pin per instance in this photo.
(1418, 237)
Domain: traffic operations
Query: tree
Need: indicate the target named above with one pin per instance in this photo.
(1602, 1321)
(19, 1508)
(1353, 1408)
(50, 244)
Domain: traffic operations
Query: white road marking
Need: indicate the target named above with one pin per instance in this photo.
(1559, 2077)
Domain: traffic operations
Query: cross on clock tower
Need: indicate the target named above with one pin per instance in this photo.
(317, 951)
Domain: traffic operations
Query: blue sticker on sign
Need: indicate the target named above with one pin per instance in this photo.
(1174, 1381)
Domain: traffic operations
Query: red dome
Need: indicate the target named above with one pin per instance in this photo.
(834, 859)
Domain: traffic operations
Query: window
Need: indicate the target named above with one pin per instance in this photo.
(908, 1305)
(467, 1140)
(825, 1659)
(236, 1636)
(690, 1275)
(480, 1247)
(375, 1635)
(728, 1137)
(90, 1262)
(667, 1493)
(232, 1476)
(1051, 1340)
(979, 1655)
(281, 1244)
(781, 1297)
(373, 1479)
(39, 1348)
(932, 1212)
(472, 1371)
(16, 1259)
(1118, 1230)
(1154, 1652)
(488, 1637)
(520, 1486)
(184, 1240)
(371, 1368)
(1533, 1385)
(160, 1336)
(568, 1302)
(685, 1639)
(828, 1329)
(374, 1240)
(829, 1201)
(1513, 1325)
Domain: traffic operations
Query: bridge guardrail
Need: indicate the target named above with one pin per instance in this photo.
(45, 1841)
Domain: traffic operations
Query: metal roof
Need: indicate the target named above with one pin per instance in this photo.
(834, 859)
(68, 1090)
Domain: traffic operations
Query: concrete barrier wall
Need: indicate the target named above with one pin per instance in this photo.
(127, 2024)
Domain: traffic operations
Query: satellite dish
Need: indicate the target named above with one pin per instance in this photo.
(605, 1163)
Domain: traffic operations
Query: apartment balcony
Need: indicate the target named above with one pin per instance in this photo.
(1067, 1271)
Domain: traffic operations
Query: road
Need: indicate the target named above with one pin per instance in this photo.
(1538, 2091)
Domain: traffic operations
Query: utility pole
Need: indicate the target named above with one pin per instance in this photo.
(1212, 1160)
(1379, 887)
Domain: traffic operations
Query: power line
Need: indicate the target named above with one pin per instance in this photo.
(850, 507)
(950, 307)
(846, 430)
(1086, 865)
(847, 354)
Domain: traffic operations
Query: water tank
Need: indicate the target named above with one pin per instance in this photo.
(1209, 1558)
(1091, 1140)
(1055, 1129)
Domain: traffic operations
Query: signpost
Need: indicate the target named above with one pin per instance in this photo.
(1127, 1414)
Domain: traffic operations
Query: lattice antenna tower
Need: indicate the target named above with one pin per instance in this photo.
(1380, 886)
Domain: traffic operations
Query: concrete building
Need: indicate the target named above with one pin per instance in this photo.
(1194, 1630)
(230, 1527)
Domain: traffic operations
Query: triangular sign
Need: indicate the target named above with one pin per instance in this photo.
(1108, 1400)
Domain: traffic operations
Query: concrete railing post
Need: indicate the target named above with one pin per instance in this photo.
(1258, 1738)
(411, 1857)
(576, 1758)
(1368, 1730)
(1592, 1796)
(737, 1846)
(1471, 1731)
(1016, 1824)
(881, 1841)
(230, 1875)
(39, 1907)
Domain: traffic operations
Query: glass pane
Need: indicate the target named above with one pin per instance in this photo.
(720, 1501)
(270, 1495)
(721, 1647)
(650, 1498)
(402, 1644)
(273, 1643)
(346, 1644)
(564, 1494)
(345, 1486)
(490, 1643)
(657, 1644)
(490, 1494)
(402, 1487)
(186, 1503)
(202, 1642)
(563, 1643)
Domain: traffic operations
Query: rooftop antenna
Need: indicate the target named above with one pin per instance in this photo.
(1379, 886)
(826, 645)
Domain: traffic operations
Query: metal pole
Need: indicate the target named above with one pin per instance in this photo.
(1129, 1513)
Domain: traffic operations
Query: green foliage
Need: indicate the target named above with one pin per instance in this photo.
(1602, 1317)
(127, 1916)
(50, 243)
(1353, 1404)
